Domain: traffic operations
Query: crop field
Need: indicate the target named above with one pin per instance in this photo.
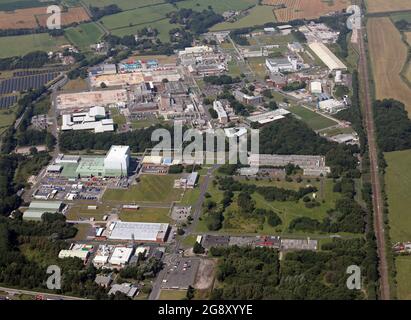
(375, 6)
(20, 45)
(388, 56)
(258, 15)
(151, 188)
(26, 82)
(84, 35)
(403, 268)
(287, 10)
(32, 18)
(9, 5)
(398, 187)
(7, 118)
(137, 16)
(314, 120)
(123, 4)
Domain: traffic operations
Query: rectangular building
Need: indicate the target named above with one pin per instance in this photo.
(121, 256)
(222, 114)
(38, 208)
(326, 56)
(117, 160)
(140, 231)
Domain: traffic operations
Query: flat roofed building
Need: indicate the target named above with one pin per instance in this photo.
(61, 158)
(117, 161)
(140, 231)
(316, 87)
(326, 56)
(81, 254)
(91, 166)
(221, 113)
(94, 120)
(331, 105)
(192, 179)
(121, 256)
(268, 116)
(152, 160)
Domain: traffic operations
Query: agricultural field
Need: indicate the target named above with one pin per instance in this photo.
(388, 55)
(218, 6)
(122, 4)
(305, 9)
(7, 118)
(398, 189)
(401, 16)
(10, 5)
(376, 6)
(258, 15)
(151, 188)
(314, 120)
(20, 45)
(403, 268)
(84, 35)
(32, 18)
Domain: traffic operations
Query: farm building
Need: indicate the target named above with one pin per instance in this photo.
(326, 56)
(139, 231)
(38, 208)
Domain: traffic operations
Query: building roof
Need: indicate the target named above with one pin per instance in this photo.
(192, 178)
(121, 255)
(140, 231)
(329, 58)
(82, 254)
(269, 116)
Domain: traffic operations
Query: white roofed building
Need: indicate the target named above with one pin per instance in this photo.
(140, 231)
(222, 114)
(121, 256)
(117, 160)
(326, 56)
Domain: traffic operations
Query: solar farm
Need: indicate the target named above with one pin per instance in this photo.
(27, 82)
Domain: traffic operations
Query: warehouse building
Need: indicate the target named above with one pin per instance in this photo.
(326, 56)
(267, 117)
(331, 105)
(288, 64)
(139, 231)
(38, 208)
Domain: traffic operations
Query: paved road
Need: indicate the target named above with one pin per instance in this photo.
(35, 293)
(375, 178)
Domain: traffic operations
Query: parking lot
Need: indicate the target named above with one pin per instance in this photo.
(180, 272)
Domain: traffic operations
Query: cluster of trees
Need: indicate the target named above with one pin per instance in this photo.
(138, 140)
(393, 125)
(292, 136)
(296, 85)
(247, 273)
(347, 216)
(281, 194)
(221, 80)
(35, 59)
(402, 25)
(142, 270)
(99, 12)
(239, 108)
(195, 21)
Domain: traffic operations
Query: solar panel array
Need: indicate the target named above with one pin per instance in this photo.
(7, 101)
(25, 83)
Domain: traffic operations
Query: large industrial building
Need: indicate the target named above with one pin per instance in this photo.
(331, 105)
(139, 231)
(38, 208)
(94, 119)
(276, 65)
(312, 165)
(269, 116)
(326, 56)
(117, 161)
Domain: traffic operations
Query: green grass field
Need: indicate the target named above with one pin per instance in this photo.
(20, 45)
(287, 211)
(314, 120)
(7, 118)
(151, 188)
(258, 15)
(84, 35)
(172, 294)
(123, 4)
(398, 189)
(403, 266)
(218, 6)
(401, 16)
(157, 215)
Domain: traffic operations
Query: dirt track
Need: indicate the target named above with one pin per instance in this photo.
(375, 181)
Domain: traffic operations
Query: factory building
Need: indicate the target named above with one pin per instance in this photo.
(222, 114)
(288, 64)
(38, 208)
(326, 56)
(316, 87)
(139, 231)
(94, 119)
(121, 256)
(331, 105)
(117, 160)
(267, 117)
